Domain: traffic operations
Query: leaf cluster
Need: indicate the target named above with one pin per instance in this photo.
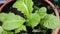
(15, 22)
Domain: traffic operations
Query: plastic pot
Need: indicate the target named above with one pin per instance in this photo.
(4, 3)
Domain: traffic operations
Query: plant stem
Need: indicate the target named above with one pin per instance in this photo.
(54, 8)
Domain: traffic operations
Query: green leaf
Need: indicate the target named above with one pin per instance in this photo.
(36, 30)
(33, 20)
(50, 21)
(7, 32)
(2, 16)
(1, 30)
(39, 30)
(12, 21)
(42, 12)
(22, 27)
(55, 0)
(25, 6)
(29, 4)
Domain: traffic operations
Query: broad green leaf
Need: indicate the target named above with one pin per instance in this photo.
(41, 12)
(12, 22)
(33, 20)
(2, 16)
(25, 6)
(20, 5)
(22, 27)
(1, 30)
(29, 4)
(7, 32)
(50, 21)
